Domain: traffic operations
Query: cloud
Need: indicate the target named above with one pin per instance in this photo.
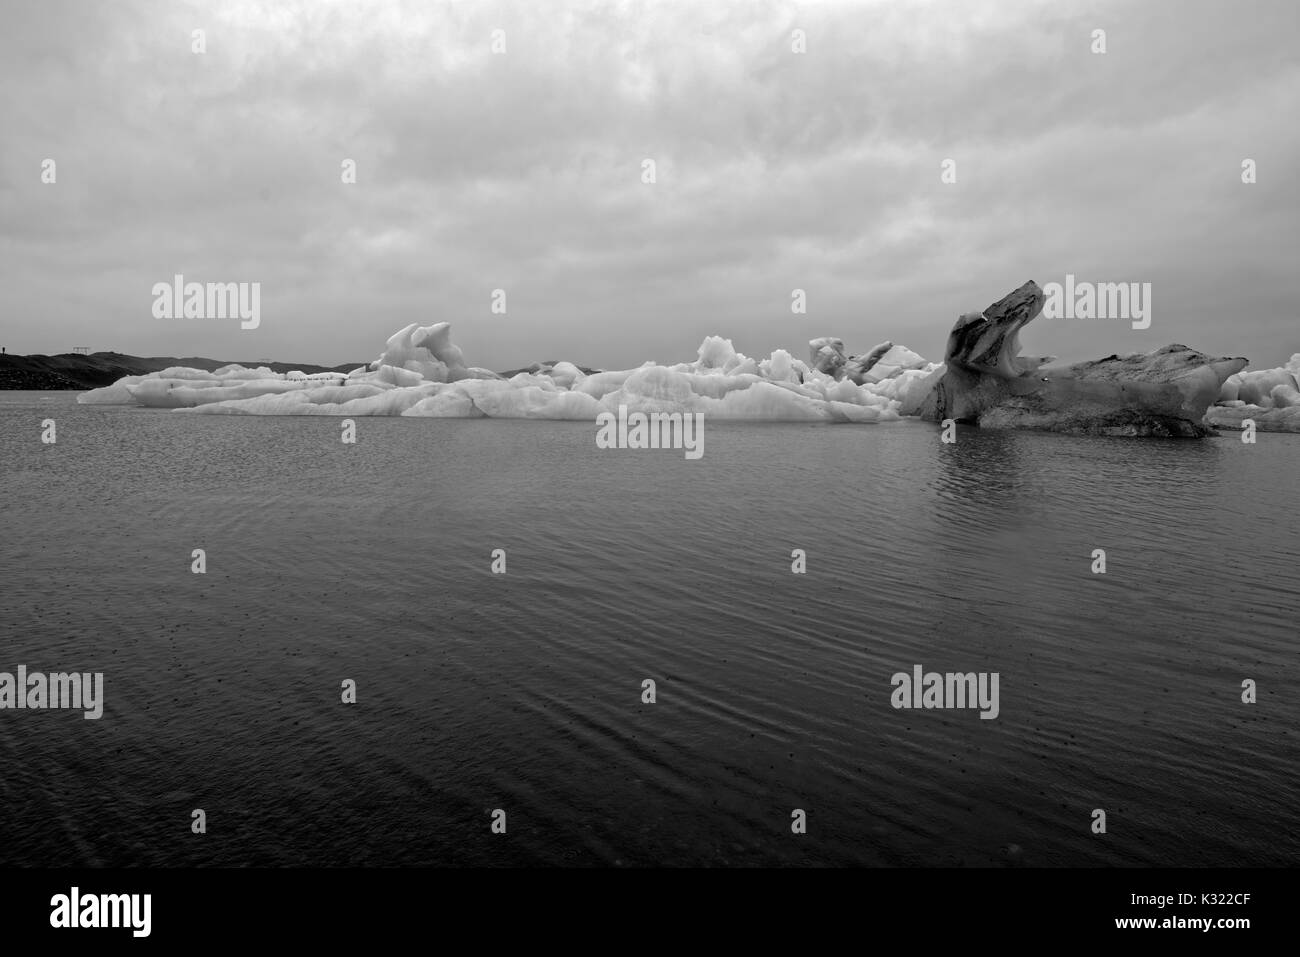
(522, 170)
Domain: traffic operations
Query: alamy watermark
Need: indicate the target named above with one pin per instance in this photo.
(1099, 300)
(951, 690)
(37, 690)
(214, 300)
(651, 430)
(75, 909)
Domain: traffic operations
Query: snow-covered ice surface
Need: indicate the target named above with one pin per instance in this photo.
(422, 373)
(1269, 397)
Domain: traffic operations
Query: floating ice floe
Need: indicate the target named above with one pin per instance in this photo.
(1269, 397)
(422, 373)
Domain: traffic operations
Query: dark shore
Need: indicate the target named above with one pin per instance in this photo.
(71, 371)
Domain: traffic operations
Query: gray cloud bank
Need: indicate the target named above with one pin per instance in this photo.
(522, 170)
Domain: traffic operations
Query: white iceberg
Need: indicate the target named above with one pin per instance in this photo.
(1268, 397)
(421, 372)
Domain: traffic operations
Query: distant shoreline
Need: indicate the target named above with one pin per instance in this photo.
(69, 371)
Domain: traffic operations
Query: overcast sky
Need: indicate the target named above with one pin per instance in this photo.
(522, 171)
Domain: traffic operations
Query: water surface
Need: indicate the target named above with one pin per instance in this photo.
(522, 691)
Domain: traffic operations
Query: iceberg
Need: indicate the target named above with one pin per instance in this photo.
(422, 373)
(1268, 397)
(986, 382)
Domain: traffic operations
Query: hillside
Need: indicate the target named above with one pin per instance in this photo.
(70, 371)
